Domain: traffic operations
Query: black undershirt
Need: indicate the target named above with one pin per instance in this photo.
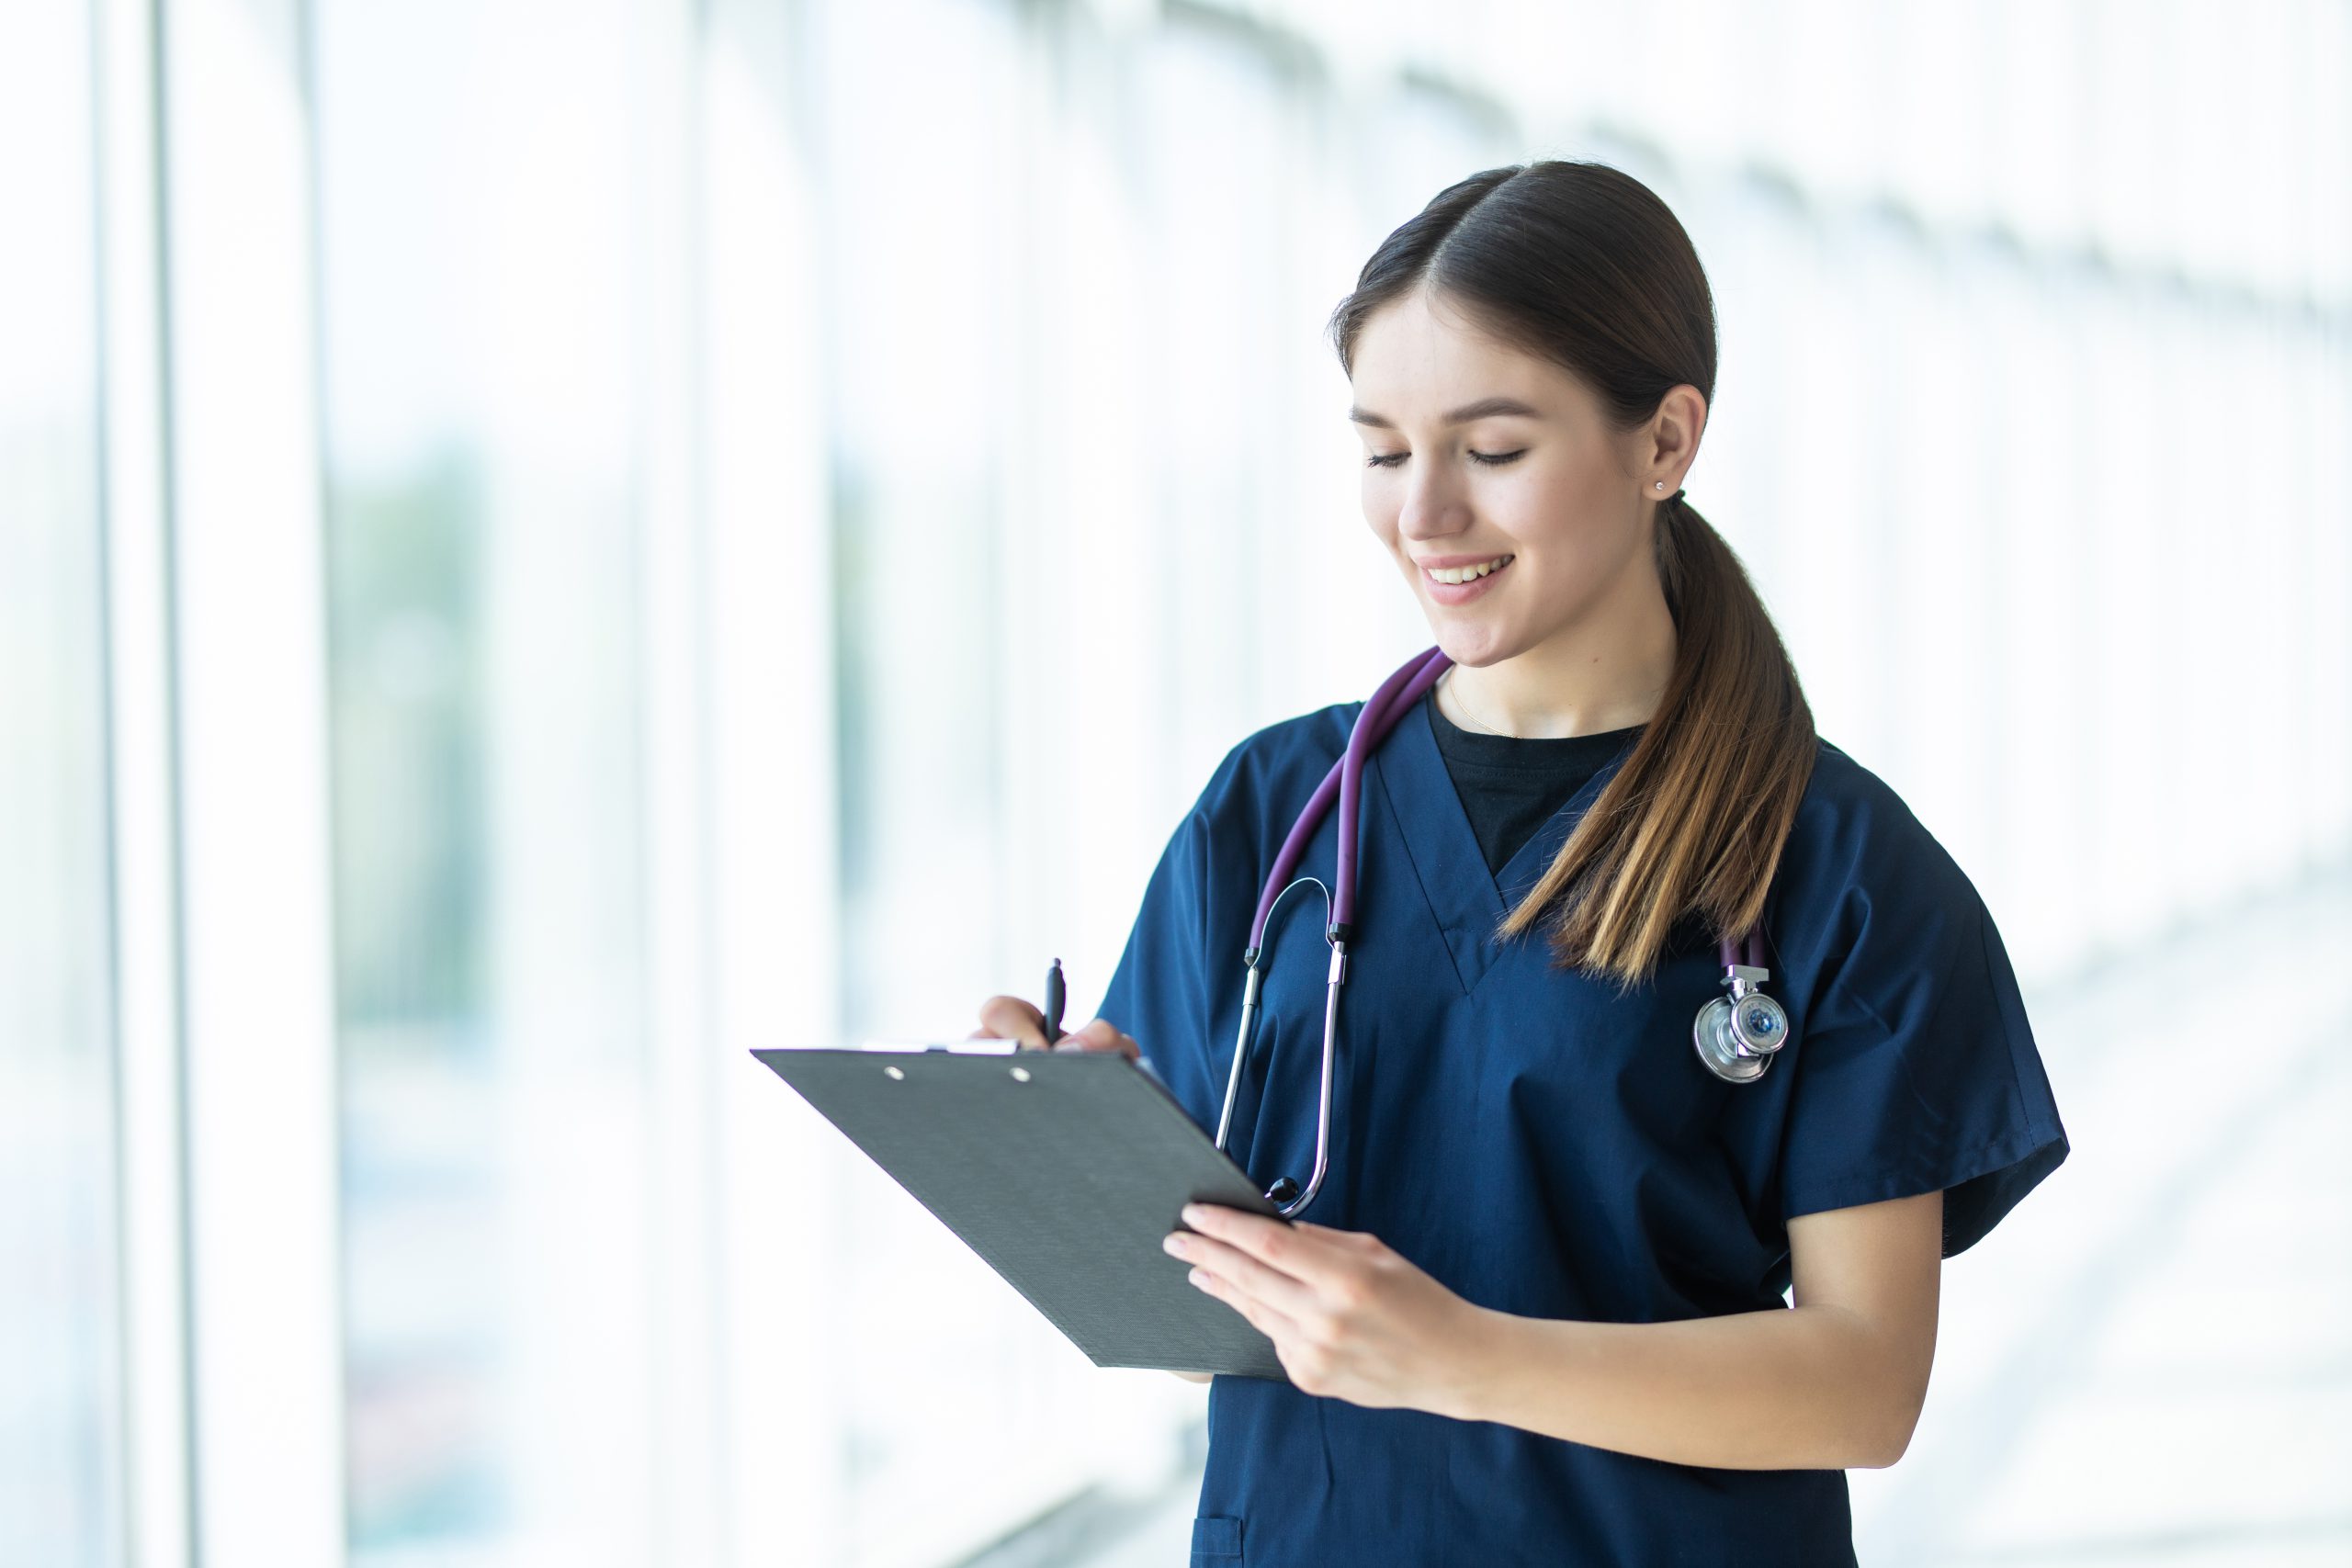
(1509, 786)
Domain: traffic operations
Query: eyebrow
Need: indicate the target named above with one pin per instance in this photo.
(1485, 408)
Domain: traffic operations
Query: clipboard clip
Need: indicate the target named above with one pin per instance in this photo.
(985, 1047)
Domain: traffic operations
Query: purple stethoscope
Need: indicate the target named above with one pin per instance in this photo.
(1735, 1034)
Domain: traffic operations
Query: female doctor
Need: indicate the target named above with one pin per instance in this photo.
(1538, 1314)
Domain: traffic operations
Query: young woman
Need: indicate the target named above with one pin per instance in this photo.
(1538, 1316)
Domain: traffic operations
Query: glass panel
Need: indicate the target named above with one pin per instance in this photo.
(476, 299)
(926, 384)
(59, 1318)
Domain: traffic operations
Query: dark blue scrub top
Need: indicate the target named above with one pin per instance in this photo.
(1543, 1147)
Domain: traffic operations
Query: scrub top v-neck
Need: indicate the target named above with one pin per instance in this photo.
(1509, 785)
(1545, 1147)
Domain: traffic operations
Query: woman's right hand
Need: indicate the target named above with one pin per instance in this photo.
(1011, 1018)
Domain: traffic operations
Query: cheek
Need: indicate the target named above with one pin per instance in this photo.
(1540, 510)
(1528, 505)
(1380, 512)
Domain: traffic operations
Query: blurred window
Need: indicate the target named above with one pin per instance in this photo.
(60, 1450)
(478, 338)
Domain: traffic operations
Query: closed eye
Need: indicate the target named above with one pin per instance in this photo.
(1390, 459)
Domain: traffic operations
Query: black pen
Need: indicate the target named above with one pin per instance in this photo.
(1054, 999)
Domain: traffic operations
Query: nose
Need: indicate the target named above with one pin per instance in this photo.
(1433, 507)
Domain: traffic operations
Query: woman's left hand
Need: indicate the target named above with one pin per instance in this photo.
(1350, 1318)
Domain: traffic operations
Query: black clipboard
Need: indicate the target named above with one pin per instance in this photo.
(1062, 1169)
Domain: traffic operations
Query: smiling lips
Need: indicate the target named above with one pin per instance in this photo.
(1467, 573)
(1462, 579)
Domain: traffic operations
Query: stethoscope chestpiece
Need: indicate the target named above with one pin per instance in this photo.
(1737, 1034)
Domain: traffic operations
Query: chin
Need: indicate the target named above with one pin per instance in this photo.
(1475, 645)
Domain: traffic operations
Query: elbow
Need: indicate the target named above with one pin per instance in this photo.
(1880, 1456)
(1892, 1437)
(1896, 1395)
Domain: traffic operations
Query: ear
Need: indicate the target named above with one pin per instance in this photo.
(1673, 439)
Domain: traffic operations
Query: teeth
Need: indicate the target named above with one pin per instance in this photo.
(1469, 573)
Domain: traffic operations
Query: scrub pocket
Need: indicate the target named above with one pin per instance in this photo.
(1216, 1541)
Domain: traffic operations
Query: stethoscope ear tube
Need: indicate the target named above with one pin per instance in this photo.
(1241, 1046)
(1394, 698)
(1285, 1193)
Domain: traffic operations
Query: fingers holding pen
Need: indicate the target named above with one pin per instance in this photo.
(1098, 1034)
(1011, 1018)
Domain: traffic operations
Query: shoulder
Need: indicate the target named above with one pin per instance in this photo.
(1273, 770)
(1851, 817)
(1859, 864)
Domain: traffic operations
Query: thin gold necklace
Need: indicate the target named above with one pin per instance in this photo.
(1483, 728)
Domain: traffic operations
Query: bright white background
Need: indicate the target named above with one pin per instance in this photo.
(545, 546)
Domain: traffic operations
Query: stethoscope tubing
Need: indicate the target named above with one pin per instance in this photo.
(1394, 698)
(1734, 1035)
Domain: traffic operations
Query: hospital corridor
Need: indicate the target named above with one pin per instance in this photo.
(562, 557)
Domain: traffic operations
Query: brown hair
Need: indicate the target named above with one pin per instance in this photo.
(1583, 264)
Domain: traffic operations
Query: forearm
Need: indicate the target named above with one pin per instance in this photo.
(1802, 1388)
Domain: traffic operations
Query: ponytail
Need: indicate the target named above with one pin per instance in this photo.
(1693, 820)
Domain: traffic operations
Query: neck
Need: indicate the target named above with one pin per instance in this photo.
(1606, 672)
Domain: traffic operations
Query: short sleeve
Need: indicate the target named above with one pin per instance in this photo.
(1158, 992)
(1917, 1071)
(1163, 990)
